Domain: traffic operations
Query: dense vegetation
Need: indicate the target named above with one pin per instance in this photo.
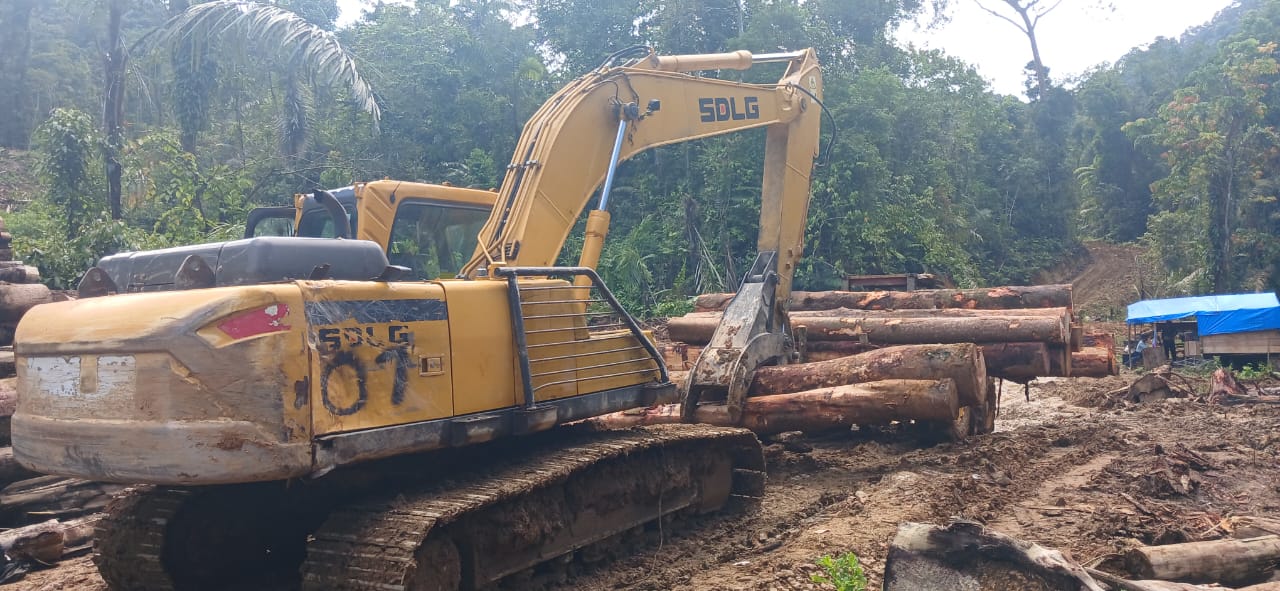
(930, 170)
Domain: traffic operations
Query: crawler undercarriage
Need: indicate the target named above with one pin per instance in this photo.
(429, 523)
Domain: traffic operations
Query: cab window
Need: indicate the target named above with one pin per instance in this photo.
(274, 227)
(316, 223)
(433, 239)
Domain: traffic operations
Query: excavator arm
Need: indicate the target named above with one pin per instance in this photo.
(565, 152)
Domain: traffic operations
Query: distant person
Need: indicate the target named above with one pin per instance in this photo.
(1143, 345)
(1168, 337)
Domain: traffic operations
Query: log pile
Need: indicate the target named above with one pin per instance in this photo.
(27, 499)
(20, 288)
(1024, 332)
(942, 386)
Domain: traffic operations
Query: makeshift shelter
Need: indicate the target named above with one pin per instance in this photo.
(1236, 324)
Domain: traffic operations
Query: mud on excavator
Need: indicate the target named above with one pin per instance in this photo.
(324, 410)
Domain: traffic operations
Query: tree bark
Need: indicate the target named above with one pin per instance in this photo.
(114, 62)
(20, 274)
(815, 410)
(1219, 561)
(1093, 362)
(962, 363)
(993, 298)
(697, 328)
(1224, 387)
(28, 501)
(16, 300)
(49, 541)
(968, 555)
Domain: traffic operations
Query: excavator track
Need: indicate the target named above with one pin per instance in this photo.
(477, 518)
(497, 522)
(129, 539)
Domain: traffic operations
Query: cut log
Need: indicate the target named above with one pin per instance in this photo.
(20, 274)
(872, 403)
(942, 313)
(994, 298)
(827, 350)
(37, 499)
(842, 347)
(1127, 585)
(967, 555)
(1016, 361)
(1093, 362)
(15, 300)
(1228, 562)
(962, 363)
(1059, 361)
(697, 329)
(49, 541)
(1243, 527)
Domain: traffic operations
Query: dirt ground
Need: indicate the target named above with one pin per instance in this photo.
(1059, 471)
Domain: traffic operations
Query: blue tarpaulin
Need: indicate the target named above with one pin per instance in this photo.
(1218, 314)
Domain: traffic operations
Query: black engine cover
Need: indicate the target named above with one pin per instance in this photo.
(265, 259)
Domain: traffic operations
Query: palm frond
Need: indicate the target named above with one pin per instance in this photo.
(295, 39)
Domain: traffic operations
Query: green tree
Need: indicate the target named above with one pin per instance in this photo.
(1219, 143)
(68, 146)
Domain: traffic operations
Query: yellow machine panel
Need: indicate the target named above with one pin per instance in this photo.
(380, 353)
(483, 345)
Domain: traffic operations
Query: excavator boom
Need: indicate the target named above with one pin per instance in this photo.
(562, 157)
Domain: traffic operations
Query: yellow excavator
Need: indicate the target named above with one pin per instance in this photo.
(326, 410)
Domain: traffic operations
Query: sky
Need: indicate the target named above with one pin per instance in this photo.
(1073, 38)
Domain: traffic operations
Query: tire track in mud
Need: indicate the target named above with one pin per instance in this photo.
(849, 494)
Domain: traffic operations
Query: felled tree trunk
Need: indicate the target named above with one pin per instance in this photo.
(697, 329)
(995, 298)
(47, 542)
(962, 363)
(815, 410)
(1093, 362)
(967, 555)
(1219, 561)
(19, 273)
(15, 300)
(941, 313)
(31, 500)
(1244, 527)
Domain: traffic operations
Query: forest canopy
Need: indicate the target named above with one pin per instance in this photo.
(153, 127)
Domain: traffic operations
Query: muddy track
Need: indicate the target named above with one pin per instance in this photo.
(509, 510)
